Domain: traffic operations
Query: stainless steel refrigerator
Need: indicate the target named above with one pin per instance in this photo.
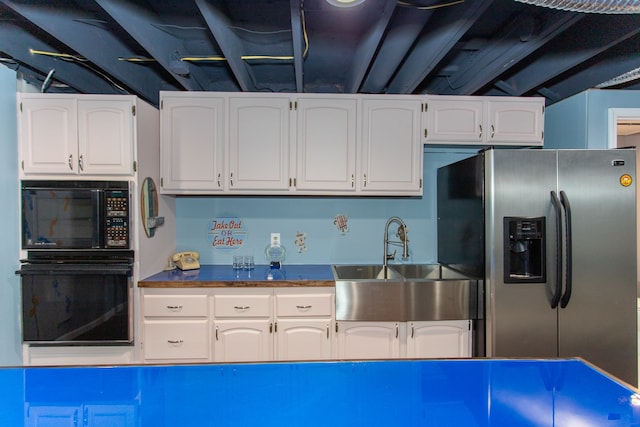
(553, 235)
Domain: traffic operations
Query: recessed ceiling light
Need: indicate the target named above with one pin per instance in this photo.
(345, 3)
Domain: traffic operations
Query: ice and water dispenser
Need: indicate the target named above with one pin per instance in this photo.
(524, 250)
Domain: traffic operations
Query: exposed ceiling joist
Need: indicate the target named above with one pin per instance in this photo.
(457, 47)
(436, 42)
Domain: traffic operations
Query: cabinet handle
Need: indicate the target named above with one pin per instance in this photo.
(242, 307)
(365, 179)
(327, 331)
(81, 163)
(70, 161)
(412, 329)
(353, 180)
(175, 341)
(397, 328)
(218, 180)
(231, 179)
(303, 307)
(174, 307)
(217, 333)
(270, 328)
(480, 134)
(493, 131)
(426, 133)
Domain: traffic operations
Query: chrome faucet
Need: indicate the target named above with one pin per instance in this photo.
(404, 240)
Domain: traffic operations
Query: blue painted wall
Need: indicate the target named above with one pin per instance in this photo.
(582, 121)
(314, 216)
(10, 341)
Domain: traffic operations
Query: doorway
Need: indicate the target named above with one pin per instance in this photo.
(624, 131)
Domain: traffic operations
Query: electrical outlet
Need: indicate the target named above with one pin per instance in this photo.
(275, 239)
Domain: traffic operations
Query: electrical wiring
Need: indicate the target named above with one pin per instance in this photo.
(80, 61)
(435, 6)
(57, 55)
(140, 59)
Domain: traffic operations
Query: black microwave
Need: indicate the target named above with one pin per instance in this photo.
(75, 215)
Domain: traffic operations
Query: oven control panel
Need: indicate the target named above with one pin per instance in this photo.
(117, 219)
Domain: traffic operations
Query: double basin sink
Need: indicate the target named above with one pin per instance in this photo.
(404, 292)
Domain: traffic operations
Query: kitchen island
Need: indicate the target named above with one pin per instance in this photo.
(444, 393)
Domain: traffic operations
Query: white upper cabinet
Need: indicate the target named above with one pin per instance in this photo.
(485, 120)
(326, 144)
(455, 119)
(105, 136)
(516, 120)
(259, 133)
(392, 146)
(76, 134)
(192, 143)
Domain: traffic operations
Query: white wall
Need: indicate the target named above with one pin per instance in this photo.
(10, 341)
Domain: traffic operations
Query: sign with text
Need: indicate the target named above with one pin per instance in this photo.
(226, 233)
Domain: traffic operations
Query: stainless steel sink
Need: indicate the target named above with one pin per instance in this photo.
(364, 272)
(408, 292)
(426, 271)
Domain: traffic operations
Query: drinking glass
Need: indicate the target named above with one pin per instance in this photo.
(249, 263)
(238, 261)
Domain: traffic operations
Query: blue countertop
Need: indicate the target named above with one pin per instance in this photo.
(262, 275)
(443, 393)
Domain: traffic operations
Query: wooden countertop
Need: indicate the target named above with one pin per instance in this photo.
(223, 276)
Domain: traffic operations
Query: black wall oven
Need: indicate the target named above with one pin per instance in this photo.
(81, 298)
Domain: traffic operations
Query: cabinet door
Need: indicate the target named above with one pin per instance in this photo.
(455, 120)
(439, 339)
(326, 144)
(48, 135)
(192, 144)
(516, 121)
(303, 339)
(368, 340)
(259, 143)
(105, 137)
(243, 340)
(392, 146)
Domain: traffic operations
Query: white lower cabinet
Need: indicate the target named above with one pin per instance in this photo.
(304, 323)
(243, 325)
(391, 340)
(175, 326)
(198, 325)
(236, 325)
(368, 340)
(439, 339)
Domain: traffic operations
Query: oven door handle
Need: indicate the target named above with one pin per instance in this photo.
(78, 269)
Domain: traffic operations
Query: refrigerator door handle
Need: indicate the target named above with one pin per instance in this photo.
(555, 299)
(569, 269)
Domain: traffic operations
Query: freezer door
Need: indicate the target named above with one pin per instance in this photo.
(519, 319)
(599, 320)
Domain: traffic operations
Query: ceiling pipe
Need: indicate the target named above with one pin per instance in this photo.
(589, 6)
